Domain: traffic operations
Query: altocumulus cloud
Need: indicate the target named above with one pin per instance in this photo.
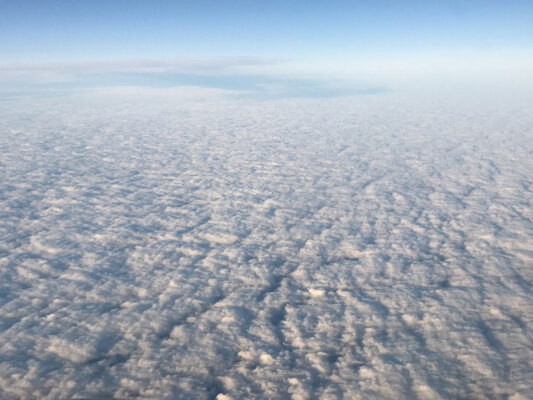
(178, 244)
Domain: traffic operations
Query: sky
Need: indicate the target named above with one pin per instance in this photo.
(335, 39)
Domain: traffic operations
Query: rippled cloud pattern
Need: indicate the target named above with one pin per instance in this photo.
(169, 247)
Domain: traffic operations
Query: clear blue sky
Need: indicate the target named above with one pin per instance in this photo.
(382, 33)
(154, 29)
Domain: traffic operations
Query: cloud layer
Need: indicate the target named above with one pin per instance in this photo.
(206, 248)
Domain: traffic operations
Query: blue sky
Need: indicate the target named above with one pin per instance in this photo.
(332, 37)
(88, 30)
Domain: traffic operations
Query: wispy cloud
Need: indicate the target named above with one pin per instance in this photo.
(198, 65)
(245, 75)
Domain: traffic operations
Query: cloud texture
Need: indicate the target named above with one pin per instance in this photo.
(170, 247)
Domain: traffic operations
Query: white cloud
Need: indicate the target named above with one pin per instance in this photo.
(181, 244)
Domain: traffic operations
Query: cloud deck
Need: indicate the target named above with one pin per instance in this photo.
(305, 249)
